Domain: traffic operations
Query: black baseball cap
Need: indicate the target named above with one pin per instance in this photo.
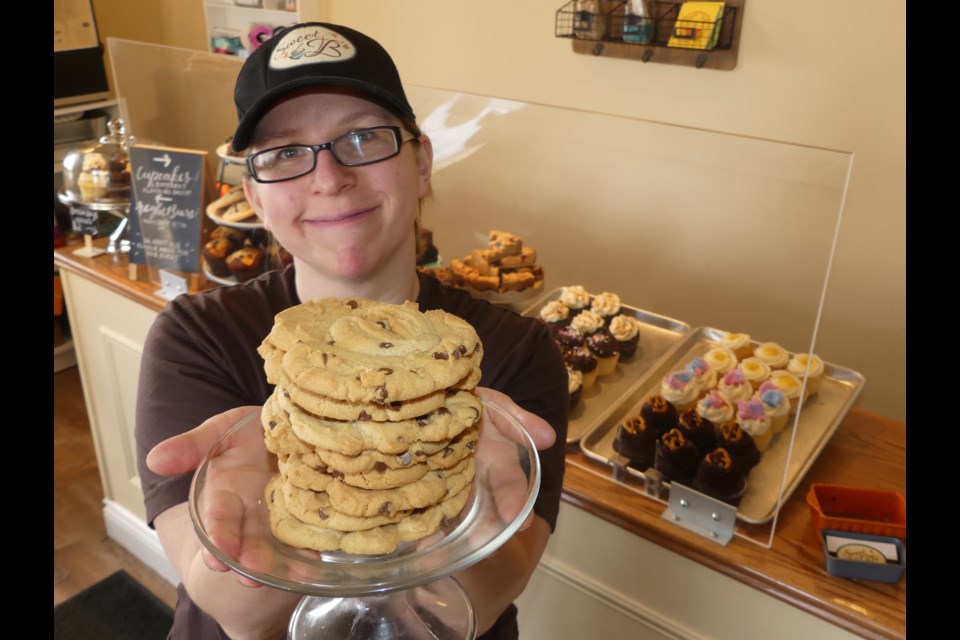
(311, 54)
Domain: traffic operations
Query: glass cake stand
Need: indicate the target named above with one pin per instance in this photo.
(408, 593)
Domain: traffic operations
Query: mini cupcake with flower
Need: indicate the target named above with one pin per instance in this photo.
(733, 386)
(775, 405)
(715, 409)
(754, 420)
(679, 389)
(704, 377)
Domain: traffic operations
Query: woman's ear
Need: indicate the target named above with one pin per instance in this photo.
(250, 189)
(424, 164)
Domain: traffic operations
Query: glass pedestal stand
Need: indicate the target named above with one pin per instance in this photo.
(407, 594)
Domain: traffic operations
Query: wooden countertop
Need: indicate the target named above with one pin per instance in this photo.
(867, 450)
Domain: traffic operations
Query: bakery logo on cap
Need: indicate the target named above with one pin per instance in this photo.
(310, 45)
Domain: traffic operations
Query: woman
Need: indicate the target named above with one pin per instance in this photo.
(337, 170)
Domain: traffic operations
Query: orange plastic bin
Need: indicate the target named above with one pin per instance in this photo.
(881, 513)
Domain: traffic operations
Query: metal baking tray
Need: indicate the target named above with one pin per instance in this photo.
(817, 420)
(658, 336)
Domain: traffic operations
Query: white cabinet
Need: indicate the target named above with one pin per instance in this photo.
(232, 23)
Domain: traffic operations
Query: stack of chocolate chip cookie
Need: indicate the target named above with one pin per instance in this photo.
(374, 420)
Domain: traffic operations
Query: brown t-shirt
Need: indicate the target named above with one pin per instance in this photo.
(200, 359)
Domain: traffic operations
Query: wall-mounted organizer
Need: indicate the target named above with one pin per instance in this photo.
(653, 31)
(237, 27)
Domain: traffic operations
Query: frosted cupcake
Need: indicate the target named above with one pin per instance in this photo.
(791, 387)
(555, 314)
(606, 305)
(576, 298)
(580, 359)
(574, 385)
(773, 354)
(603, 346)
(679, 389)
(586, 322)
(720, 359)
(775, 405)
(754, 420)
(733, 386)
(739, 344)
(755, 370)
(715, 409)
(704, 377)
(626, 331)
(798, 367)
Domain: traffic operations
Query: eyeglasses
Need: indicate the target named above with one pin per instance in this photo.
(353, 149)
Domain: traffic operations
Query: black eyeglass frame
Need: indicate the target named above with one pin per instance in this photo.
(317, 148)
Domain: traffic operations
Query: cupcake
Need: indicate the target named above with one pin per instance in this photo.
(606, 305)
(775, 405)
(603, 346)
(215, 254)
(733, 386)
(92, 181)
(679, 389)
(773, 354)
(740, 445)
(754, 420)
(715, 409)
(718, 476)
(720, 359)
(755, 370)
(236, 237)
(697, 430)
(798, 367)
(626, 330)
(738, 343)
(703, 376)
(675, 457)
(246, 264)
(659, 414)
(574, 385)
(791, 387)
(555, 314)
(568, 338)
(636, 441)
(586, 322)
(580, 359)
(576, 298)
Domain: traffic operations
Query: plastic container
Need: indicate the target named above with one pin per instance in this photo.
(862, 556)
(881, 513)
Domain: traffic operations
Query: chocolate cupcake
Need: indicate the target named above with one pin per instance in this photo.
(603, 346)
(637, 442)
(237, 237)
(215, 254)
(246, 264)
(582, 360)
(555, 315)
(676, 457)
(626, 330)
(697, 430)
(568, 338)
(740, 445)
(659, 414)
(720, 477)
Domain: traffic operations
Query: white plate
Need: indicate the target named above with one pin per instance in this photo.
(223, 152)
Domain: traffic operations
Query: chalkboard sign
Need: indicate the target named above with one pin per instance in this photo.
(167, 209)
(84, 220)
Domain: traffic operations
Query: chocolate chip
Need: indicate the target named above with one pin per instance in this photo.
(382, 323)
(463, 350)
(385, 508)
(273, 425)
(331, 342)
(423, 421)
(364, 416)
(272, 493)
(386, 370)
(324, 356)
(442, 411)
(447, 452)
(471, 445)
(439, 355)
(337, 474)
(386, 345)
(456, 354)
(286, 394)
(421, 453)
(396, 406)
(379, 467)
(353, 304)
(381, 393)
(322, 514)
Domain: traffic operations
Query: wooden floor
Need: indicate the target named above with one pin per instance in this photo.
(82, 552)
